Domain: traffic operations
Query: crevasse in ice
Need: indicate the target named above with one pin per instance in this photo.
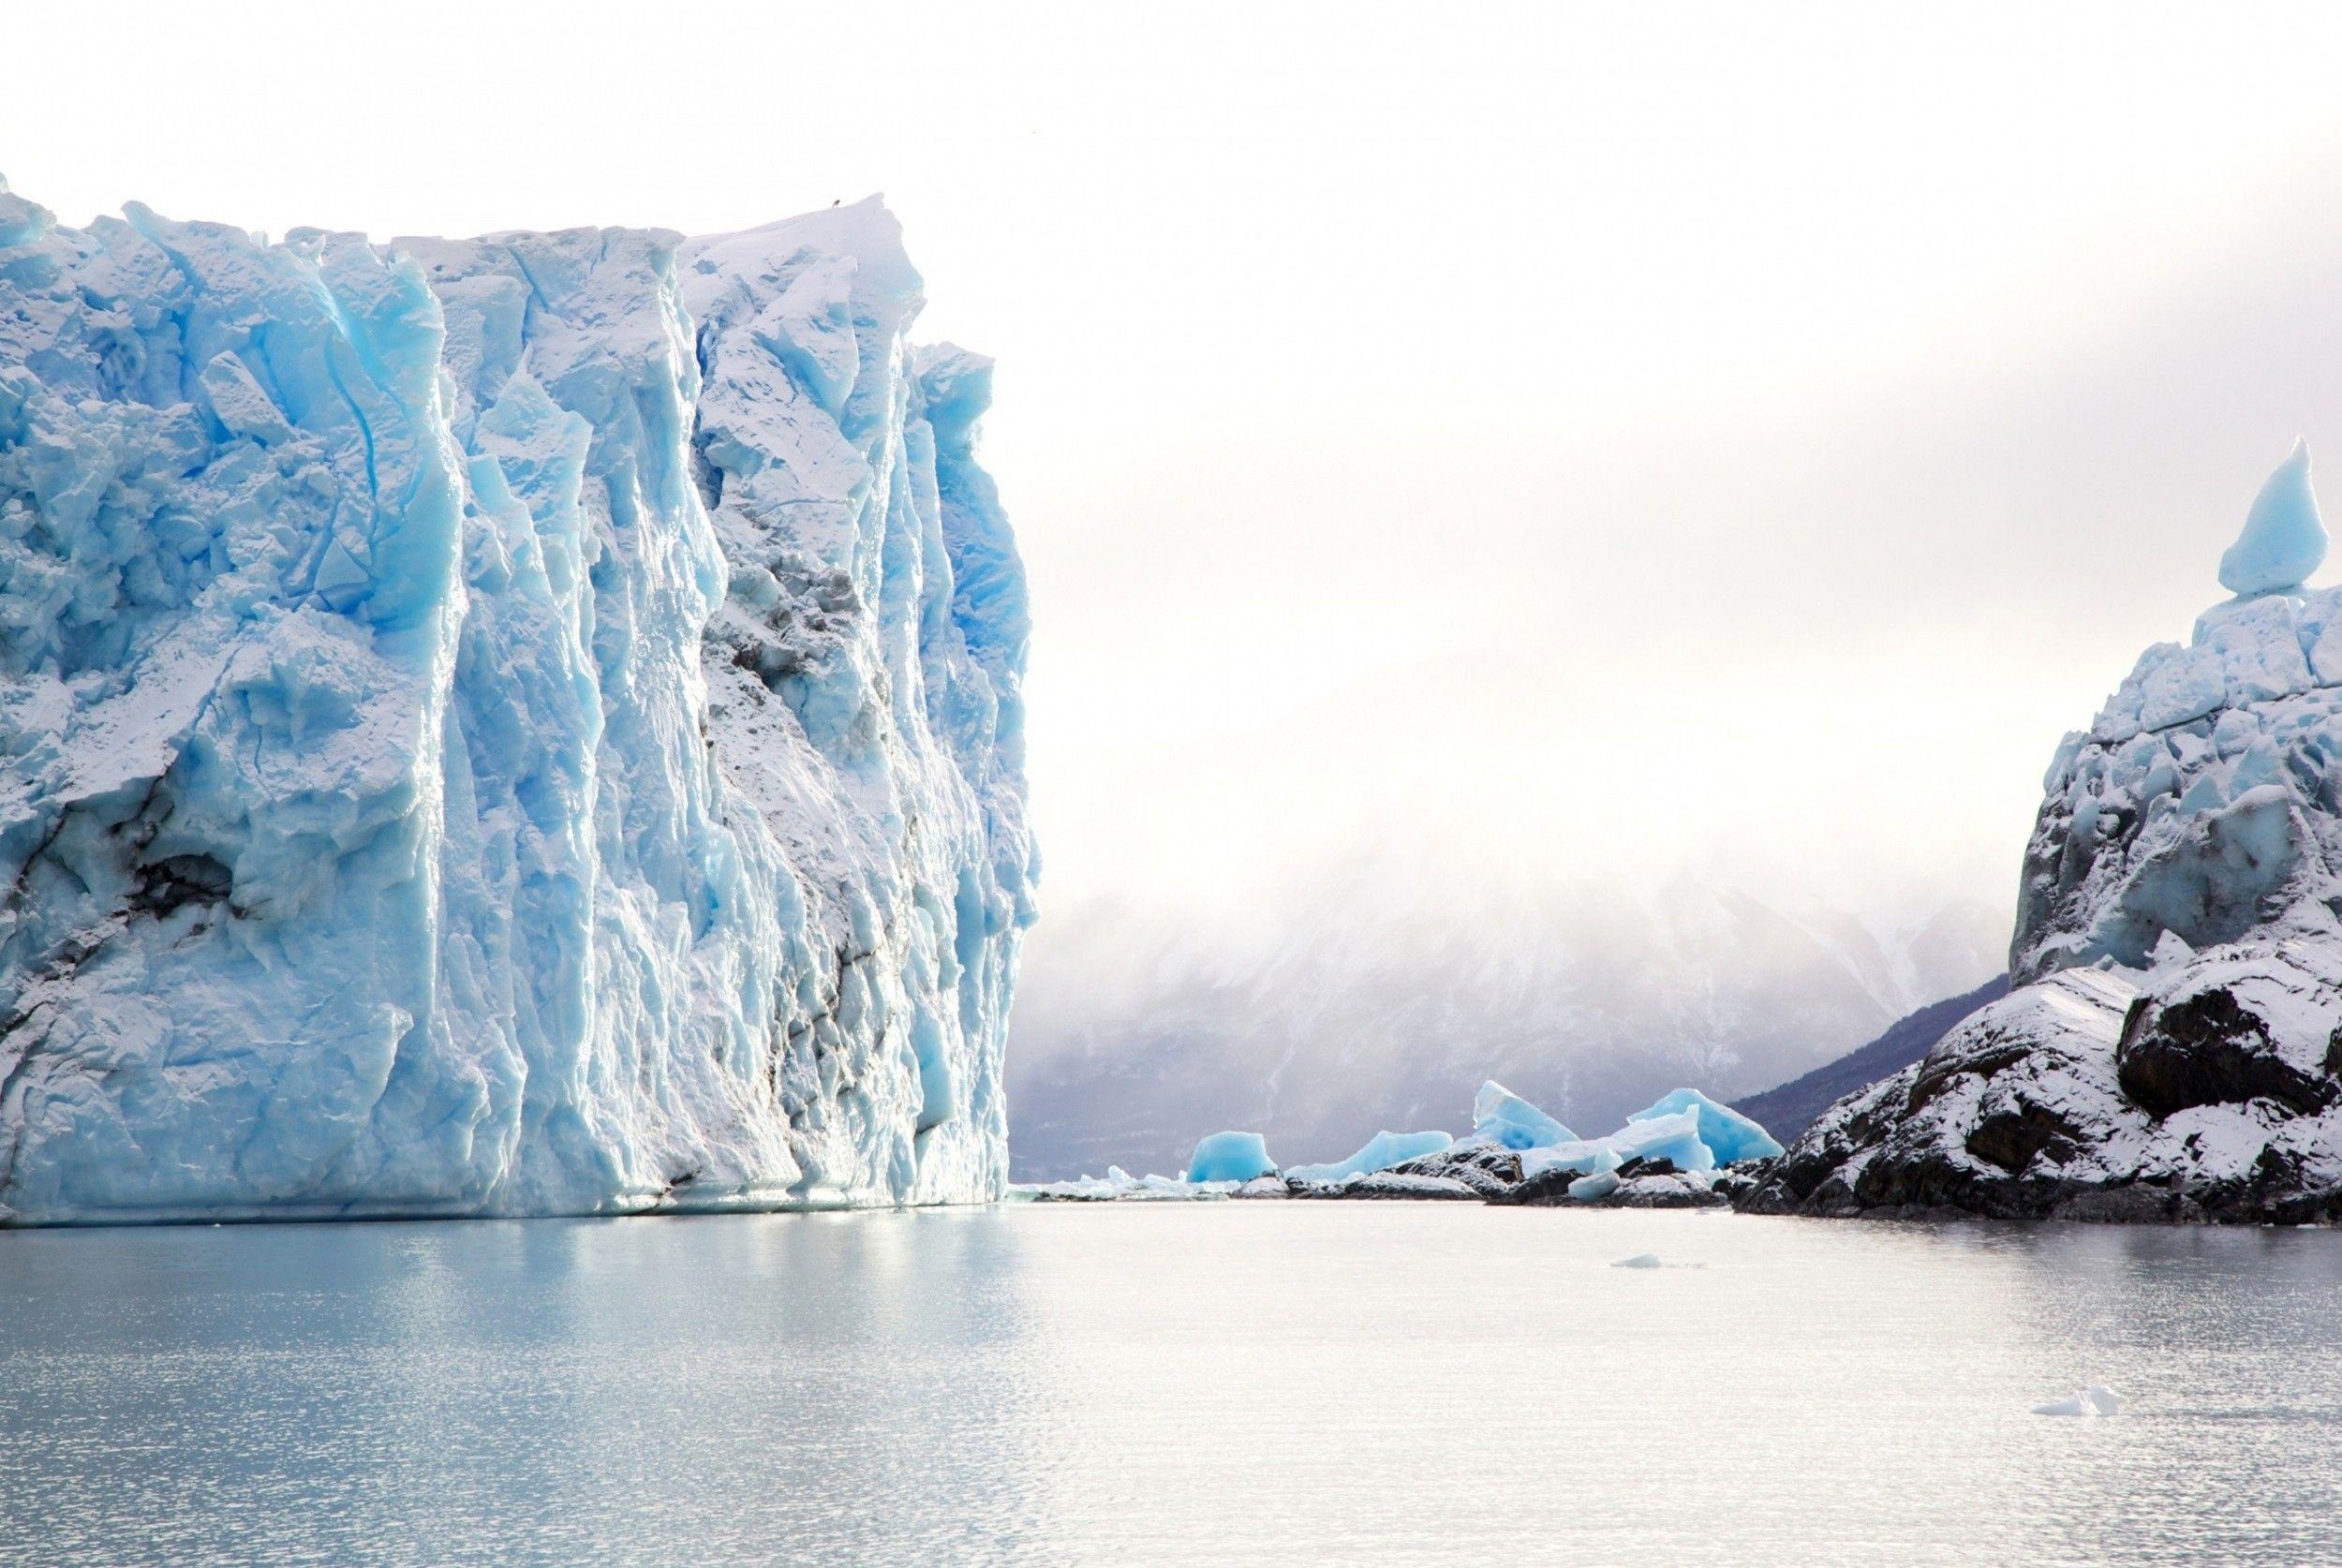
(520, 725)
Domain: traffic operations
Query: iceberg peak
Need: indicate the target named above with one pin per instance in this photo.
(2284, 539)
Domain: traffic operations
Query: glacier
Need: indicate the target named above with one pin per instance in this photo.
(524, 725)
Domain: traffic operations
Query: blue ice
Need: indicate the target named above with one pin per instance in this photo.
(1730, 1136)
(1382, 1151)
(1502, 1117)
(1671, 1137)
(1230, 1157)
(2284, 539)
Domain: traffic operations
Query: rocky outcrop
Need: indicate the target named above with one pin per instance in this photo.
(2174, 1048)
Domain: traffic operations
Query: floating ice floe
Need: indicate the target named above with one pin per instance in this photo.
(1640, 1260)
(2092, 1401)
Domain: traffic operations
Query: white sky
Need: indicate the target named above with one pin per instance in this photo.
(1710, 434)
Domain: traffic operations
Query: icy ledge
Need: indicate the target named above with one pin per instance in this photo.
(513, 726)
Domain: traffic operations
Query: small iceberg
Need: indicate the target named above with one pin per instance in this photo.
(1730, 1136)
(1504, 1117)
(1382, 1151)
(1230, 1157)
(1640, 1260)
(2284, 539)
(1674, 1138)
(1594, 1188)
(2091, 1402)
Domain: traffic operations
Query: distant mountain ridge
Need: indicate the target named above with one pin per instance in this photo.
(1790, 1108)
(1388, 993)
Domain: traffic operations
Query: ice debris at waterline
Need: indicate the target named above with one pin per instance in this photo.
(2170, 1052)
(1679, 1153)
(505, 726)
(2091, 1402)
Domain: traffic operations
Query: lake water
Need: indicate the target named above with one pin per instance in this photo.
(1232, 1383)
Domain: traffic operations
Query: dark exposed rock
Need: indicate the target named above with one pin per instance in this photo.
(1489, 1170)
(2210, 1094)
(1387, 1185)
(2210, 1046)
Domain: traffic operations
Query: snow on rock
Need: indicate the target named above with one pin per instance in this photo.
(522, 725)
(1502, 1117)
(1230, 1157)
(2180, 922)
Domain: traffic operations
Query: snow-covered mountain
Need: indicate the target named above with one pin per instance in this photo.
(520, 725)
(2179, 1051)
(1382, 994)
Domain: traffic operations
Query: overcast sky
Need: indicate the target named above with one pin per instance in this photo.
(1541, 436)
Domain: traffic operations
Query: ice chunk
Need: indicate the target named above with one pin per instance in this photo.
(2284, 539)
(2092, 1401)
(1730, 1136)
(1586, 1156)
(1382, 1151)
(1673, 1137)
(1499, 1115)
(1588, 1189)
(1640, 1260)
(1230, 1157)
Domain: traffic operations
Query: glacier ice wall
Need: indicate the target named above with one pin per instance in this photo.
(520, 725)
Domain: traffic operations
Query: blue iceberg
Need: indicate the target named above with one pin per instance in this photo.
(1502, 1117)
(1586, 1157)
(1382, 1151)
(1730, 1136)
(1671, 1137)
(508, 726)
(1230, 1157)
(2284, 539)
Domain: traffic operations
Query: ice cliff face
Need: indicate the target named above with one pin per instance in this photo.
(523, 725)
(2179, 1051)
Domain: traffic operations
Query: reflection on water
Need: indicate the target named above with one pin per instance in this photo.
(1238, 1383)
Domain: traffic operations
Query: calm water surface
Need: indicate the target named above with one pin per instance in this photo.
(1254, 1382)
